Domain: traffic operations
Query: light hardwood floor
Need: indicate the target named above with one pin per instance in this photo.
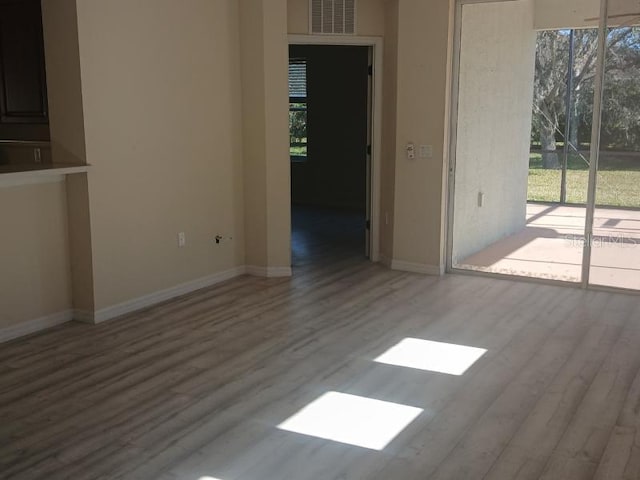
(196, 387)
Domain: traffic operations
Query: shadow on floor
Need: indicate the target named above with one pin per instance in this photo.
(551, 247)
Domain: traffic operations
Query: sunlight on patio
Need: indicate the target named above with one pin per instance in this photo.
(551, 245)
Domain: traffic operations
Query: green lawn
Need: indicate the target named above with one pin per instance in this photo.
(618, 182)
(298, 151)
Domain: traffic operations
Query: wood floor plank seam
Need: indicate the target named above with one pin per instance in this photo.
(581, 399)
(576, 400)
(523, 418)
(635, 366)
(515, 432)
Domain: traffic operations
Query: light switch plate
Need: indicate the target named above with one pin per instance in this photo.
(426, 151)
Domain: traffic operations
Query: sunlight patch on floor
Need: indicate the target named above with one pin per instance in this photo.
(432, 356)
(350, 419)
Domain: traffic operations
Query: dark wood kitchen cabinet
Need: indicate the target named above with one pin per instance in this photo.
(23, 87)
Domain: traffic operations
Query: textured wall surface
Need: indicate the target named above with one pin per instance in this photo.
(494, 124)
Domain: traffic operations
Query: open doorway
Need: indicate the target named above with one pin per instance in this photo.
(330, 127)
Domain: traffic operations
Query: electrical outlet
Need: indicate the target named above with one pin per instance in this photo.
(411, 151)
(182, 239)
(222, 239)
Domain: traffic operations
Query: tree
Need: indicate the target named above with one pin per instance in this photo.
(552, 78)
(549, 90)
(621, 108)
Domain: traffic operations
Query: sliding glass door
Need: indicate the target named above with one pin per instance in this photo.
(615, 246)
(520, 179)
(536, 144)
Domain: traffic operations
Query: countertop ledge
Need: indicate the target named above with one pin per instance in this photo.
(16, 175)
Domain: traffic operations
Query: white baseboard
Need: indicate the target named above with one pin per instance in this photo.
(33, 326)
(386, 261)
(83, 316)
(436, 270)
(157, 297)
(167, 294)
(268, 272)
(105, 314)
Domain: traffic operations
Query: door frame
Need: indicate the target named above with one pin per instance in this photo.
(376, 45)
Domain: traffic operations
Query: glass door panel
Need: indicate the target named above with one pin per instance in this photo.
(522, 140)
(615, 252)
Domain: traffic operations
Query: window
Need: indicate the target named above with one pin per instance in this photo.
(298, 109)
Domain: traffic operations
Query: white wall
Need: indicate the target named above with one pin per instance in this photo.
(494, 124)
(66, 120)
(389, 115)
(34, 264)
(423, 47)
(162, 112)
(267, 185)
(558, 14)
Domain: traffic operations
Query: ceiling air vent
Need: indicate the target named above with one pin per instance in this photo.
(337, 17)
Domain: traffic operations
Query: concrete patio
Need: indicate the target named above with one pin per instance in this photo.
(551, 244)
